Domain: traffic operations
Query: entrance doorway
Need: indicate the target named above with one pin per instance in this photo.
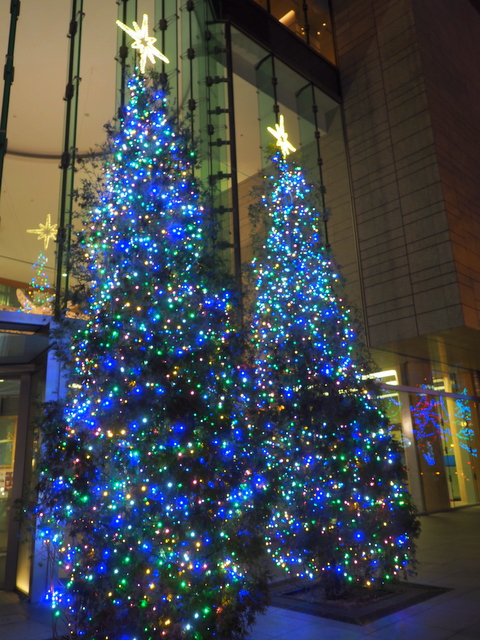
(9, 404)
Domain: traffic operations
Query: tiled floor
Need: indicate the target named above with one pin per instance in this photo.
(21, 621)
(449, 555)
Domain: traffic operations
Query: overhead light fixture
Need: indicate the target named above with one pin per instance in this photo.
(378, 375)
(288, 18)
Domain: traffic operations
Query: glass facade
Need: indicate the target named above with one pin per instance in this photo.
(211, 64)
(23, 209)
(265, 87)
(310, 20)
(229, 89)
(31, 184)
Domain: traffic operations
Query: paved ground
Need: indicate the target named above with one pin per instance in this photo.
(449, 555)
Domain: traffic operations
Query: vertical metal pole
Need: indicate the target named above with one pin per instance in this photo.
(237, 254)
(320, 165)
(307, 25)
(127, 13)
(276, 106)
(67, 163)
(122, 58)
(162, 25)
(8, 74)
(192, 103)
(166, 21)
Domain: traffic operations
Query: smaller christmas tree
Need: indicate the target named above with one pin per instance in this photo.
(342, 512)
(39, 296)
(39, 291)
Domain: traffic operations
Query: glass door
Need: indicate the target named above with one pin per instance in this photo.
(9, 402)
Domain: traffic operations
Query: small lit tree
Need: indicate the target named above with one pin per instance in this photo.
(39, 291)
(38, 297)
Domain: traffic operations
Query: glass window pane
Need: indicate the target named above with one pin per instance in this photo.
(262, 82)
(310, 20)
(9, 395)
(22, 209)
(428, 429)
(320, 34)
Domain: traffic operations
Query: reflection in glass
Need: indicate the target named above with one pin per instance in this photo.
(446, 442)
(428, 432)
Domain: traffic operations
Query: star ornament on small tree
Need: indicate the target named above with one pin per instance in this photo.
(282, 138)
(45, 232)
(143, 42)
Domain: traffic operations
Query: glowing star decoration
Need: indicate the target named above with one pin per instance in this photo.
(45, 232)
(281, 135)
(143, 42)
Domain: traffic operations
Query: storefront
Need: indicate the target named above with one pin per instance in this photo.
(28, 375)
(436, 421)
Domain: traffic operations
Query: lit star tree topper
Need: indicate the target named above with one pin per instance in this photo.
(45, 232)
(143, 42)
(281, 135)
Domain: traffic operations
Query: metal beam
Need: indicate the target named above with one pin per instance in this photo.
(67, 162)
(8, 74)
(127, 13)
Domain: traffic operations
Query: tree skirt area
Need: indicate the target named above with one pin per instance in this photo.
(307, 597)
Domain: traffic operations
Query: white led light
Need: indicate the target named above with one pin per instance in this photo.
(143, 42)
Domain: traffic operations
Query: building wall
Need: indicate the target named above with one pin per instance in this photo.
(338, 200)
(449, 44)
(408, 261)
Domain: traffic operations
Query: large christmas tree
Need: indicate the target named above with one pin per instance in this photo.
(148, 494)
(342, 512)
